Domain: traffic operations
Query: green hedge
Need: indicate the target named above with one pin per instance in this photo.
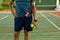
(1, 8)
(5, 6)
(59, 2)
(46, 2)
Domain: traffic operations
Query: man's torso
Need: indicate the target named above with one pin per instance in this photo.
(22, 6)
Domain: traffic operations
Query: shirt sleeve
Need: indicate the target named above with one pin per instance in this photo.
(32, 0)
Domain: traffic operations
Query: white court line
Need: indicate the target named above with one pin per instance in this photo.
(3, 17)
(50, 21)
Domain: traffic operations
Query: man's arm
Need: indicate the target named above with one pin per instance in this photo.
(11, 7)
(34, 10)
(33, 5)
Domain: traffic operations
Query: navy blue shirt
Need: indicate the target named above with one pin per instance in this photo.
(23, 6)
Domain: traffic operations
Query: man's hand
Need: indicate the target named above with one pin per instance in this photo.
(14, 13)
(35, 23)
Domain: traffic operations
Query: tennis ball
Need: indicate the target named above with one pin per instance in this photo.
(33, 26)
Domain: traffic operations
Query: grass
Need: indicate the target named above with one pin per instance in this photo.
(45, 31)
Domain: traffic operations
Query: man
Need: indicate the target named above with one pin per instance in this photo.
(23, 17)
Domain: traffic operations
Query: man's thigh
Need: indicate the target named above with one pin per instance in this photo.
(27, 25)
(19, 21)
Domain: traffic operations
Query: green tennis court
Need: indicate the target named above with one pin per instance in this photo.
(48, 27)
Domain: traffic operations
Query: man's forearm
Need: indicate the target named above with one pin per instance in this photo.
(34, 11)
(11, 7)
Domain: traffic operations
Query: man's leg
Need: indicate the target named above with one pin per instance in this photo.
(16, 35)
(26, 35)
(17, 27)
(27, 28)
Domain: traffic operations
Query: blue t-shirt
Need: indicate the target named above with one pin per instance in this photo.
(23, 6)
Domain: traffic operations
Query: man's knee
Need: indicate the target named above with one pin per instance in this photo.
(26, 33)
(16, 34)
